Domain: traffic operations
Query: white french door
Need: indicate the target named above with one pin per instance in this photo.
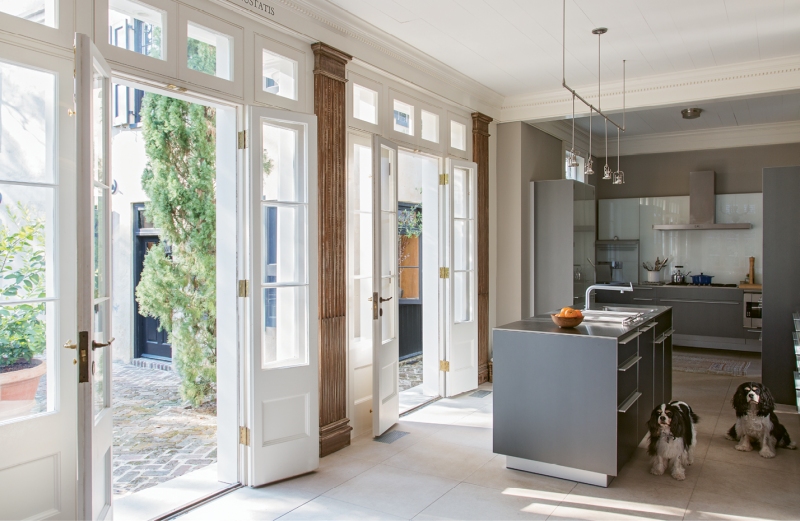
(93, 110)
(462, 284)
(384, 298)
(283, 362)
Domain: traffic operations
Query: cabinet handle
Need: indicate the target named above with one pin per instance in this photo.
(702, 301)
(629, 402)
(668, 333)
(623, 342)
(749, 331)
(630, 363)
(648, 327)
(645, 299)
(639, 288)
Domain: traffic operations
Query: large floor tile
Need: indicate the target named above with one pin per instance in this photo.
(365, 447)
(708, 505)
(733, 479)
(392, 490)
(494, 474)
(257, 504)
(637, 470)
(470, 502)
(442, 458)
(333, 471)
(629, 501)
(723, 450)
(470, 436)
(325, 508)
(481, 418)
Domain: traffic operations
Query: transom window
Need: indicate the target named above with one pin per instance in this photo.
(365, 104)
(37, 11)
(403, 118)
(429, 126)
(209, 51)
(458, 135)
(279, 75)
(137, 27)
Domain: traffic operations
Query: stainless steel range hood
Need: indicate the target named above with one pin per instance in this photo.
(702, 207)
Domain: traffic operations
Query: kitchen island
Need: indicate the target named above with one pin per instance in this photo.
(573, 403)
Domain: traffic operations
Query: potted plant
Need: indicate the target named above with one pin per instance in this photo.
(22, 326)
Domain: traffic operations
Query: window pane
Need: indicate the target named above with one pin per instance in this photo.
(403, 118)
(458, 135)
(137, 27)
(283, 173)
(100, 368)
(365, 104)
(460, 245)
(38, 11)
(362, 319)
(279, 75)
(430, 126)
(284, 241)
(462, 306)
(361, 179)
(460, 193)
(98, 126)
(284, 327)
(209, 52)
(388, 318)
(100, 227)
(388, 179)
(27, 124)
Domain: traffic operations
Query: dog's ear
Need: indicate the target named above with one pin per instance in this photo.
(652, 424)
(739, 401)
(678, 425)
(766, 404)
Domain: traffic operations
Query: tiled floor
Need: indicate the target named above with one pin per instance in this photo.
(445, 469)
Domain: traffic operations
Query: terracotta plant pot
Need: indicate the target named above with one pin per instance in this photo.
(22, 384)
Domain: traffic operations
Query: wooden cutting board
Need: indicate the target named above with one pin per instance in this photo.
(749, 286)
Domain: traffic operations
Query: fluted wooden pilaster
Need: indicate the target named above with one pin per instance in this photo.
(330, 108)
(480, 155)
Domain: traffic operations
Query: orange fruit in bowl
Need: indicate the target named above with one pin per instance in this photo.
(564, 312)
(571, 313)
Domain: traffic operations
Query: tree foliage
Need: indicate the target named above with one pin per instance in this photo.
(22, 276)
(178, 283)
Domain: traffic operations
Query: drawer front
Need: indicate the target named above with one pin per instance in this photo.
(706, 318)
(627, 378)
(702, 293)
(644, 296)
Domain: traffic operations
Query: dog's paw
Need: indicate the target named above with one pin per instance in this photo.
(766, 453)
(657, 470)
(744, 448)
(680, 476)
(792, 446)
(731, 438)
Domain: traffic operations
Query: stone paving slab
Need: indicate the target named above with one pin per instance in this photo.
(410, 372)
(157, 438)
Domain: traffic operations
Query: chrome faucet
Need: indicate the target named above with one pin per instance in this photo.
(607, 287)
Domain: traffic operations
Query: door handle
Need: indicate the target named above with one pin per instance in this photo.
(98, 345)
(70, 345)
(385, 299)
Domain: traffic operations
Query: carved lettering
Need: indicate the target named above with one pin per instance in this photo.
(259, 6)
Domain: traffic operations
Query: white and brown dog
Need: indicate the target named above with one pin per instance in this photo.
(757, 422)
(673, 438)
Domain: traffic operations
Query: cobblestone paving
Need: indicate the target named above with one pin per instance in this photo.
(410, 372)
(155, 437)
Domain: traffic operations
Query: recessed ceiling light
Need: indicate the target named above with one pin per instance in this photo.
(691, 113)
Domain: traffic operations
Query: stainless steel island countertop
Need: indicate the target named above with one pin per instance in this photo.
(544, 324)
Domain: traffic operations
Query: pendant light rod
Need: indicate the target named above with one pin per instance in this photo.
(599, 32)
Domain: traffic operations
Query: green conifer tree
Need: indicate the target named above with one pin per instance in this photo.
(178, 283)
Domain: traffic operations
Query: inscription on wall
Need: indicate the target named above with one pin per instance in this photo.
(259, 6)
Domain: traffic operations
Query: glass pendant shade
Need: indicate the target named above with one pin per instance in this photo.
(606, 172)
(589, 170)
(573, 159)
(619, 177)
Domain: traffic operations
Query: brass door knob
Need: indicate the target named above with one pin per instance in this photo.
(70, 345)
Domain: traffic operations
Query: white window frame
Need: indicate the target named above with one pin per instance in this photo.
(360, 124)
(467, 122)
(168, 66)
(301, 80)
(62, 35)
(391, 133)
(234, 86)
(439, 147)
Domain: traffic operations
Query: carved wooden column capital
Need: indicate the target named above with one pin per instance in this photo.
(480, 155)
(330, 107)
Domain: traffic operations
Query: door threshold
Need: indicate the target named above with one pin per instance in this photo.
(177, 512)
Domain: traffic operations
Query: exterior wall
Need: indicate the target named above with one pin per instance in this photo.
(660, 175)
(128, 161)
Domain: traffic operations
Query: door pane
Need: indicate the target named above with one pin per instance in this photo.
(362, 319)
(27, 124)
(362, 240)
(388, 319)
(284, 251)
(100, 366)
(388, 244)
(361, 179)
(284, 327)
(100, 243)
(462, 306)
(282, 170)
(460, 245)
(98, 125)
(37, 11)
(460, 193)
(388, 179)
(209, 51)
(137, 27)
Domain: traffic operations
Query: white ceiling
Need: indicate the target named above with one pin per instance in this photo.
(514, 46)
(720, 114)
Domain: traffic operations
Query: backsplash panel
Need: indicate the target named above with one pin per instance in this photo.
(724, 254)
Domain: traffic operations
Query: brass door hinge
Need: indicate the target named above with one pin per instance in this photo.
(444, 273)
(242, 140)
(244, 436)
(444, 179)
(444, 365)
(244, 288)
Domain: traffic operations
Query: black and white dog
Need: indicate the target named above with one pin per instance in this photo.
(757, 422)
(672, 438)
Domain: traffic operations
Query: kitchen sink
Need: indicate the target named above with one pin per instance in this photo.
(615, 314)
(632, 311)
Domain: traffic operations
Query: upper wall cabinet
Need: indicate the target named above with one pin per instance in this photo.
(139, 33)
(50, 21)
(618, 218)
(281, 75)
(210, 51)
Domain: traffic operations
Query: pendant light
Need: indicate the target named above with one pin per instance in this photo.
(589, 170)
(619, 175)
(573, 160)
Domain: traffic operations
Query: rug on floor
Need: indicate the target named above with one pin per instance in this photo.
(708, 365)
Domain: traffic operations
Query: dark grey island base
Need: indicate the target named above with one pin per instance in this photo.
(574, 403)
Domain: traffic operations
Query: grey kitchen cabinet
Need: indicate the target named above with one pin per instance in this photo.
(647, 369)
(629, 396)
(706, 317)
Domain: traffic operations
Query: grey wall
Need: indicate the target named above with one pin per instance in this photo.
(524, 154)
(781, 283)
(660, 175)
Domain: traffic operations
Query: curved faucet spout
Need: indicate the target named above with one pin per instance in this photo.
(607, 287)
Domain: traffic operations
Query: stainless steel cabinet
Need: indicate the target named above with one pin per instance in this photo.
(629, 397)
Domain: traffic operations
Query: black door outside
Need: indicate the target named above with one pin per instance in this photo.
(149, 341)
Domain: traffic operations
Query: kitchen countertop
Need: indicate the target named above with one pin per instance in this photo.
(544, 324)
